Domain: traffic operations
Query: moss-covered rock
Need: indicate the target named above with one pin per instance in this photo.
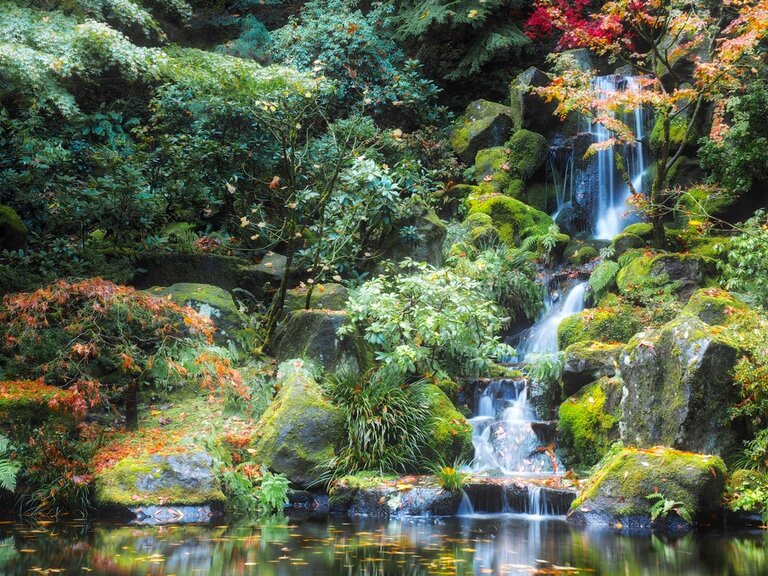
(492, 168)
(616, 492)
(13, 232)
(586, 362)
(610, 324)
(701, 203)
(311, 335)
(426, 246)
(450, 435)
(186, 478)
(584, 254)
(527, 153)
(513, 219)
(680, 388)
(642, 229)
(484, 125)
(689, 271)
(716, 307)
(588, 422)
(624, 242)
(324, 297)
(227, 272)
(677, 130)
(300, 430)
(210, 301)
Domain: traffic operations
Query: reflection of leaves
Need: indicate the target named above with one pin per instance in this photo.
(7, 551)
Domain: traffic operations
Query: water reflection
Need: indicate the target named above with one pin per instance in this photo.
(497, 545)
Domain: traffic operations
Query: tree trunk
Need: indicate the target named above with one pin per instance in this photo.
(132, 405)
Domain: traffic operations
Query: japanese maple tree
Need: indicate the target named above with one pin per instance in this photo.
(688, 53)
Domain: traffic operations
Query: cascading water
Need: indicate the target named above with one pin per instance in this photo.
(612, 192)
(504, 427)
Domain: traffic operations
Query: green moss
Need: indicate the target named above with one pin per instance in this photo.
(13, 232)
(624, 242)
(583, 255)
(540, 195)
(366, 480)
(713, 247)
(587, 424)
(516, 189)
(513, 219)
(716, 307)
(484, 124)
(527, 153)
(627, 477)
(492, 168)
(324, 297)
(23, 400)
(642, 229)
(450, 435)
(634, 273)
(701, 203)
(120, 485)
(676, 134)
(614, 324)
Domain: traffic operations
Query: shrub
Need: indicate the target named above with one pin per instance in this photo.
(429, 321)
(746, 269)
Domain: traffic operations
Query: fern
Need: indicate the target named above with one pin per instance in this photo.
(8, 468)
(603, 278)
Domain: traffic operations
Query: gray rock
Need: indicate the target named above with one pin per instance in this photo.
(585, 362)
(428, 244)
(529, 109)
(680, 388)
(484, 124)
(311, 334)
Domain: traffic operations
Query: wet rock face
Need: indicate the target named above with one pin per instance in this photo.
(679, 388)
(616, 494)
(387, 501)
(186, 471)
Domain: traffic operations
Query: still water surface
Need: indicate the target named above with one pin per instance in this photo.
(498, 545)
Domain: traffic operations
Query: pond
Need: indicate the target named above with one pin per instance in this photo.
(500, 545)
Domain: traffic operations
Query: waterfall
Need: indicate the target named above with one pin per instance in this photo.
(465, 507)
(612, 192)
(542, 336)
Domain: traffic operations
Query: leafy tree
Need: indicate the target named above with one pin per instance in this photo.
(721, 41)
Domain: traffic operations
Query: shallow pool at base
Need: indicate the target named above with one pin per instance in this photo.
(500, 545)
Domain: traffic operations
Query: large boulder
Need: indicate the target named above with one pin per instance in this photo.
(527, 153)
(187, 478)
(680, 388)
(13, 232)
(210, 301)
(483, 125)
(227, 272)
(689, 271)
(528, 108)
(616, 493)
(449, 432)
(513, 219)
(324, 297)
(300, 430)
(426, 245)
(624, 242)
(586, 362)
(588, 422)
(311, 335)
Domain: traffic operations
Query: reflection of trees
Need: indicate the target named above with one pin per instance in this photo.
(280, 546)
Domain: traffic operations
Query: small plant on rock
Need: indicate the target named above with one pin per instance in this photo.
(662, 506)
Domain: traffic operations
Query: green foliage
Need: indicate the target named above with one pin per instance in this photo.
(450, 478)
(746, 267)
(8, 468)
(739, 162)
(748, 491)
(255, 490)
(661, 508)
(368, 69)
(429, 321)
(385, 421)
(461, 38)
(603, 278)
(506, 276)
